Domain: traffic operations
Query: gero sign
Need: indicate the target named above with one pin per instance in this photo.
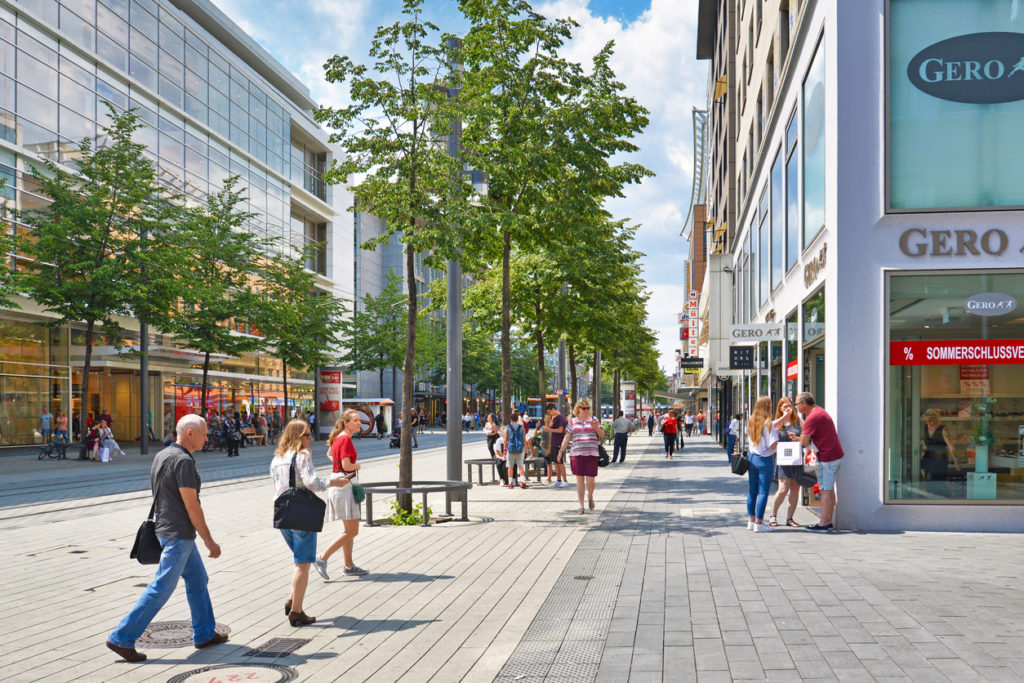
(977, 68)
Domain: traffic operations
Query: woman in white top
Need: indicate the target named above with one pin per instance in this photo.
(732, 432)
(763, 439)
(294, 446)
(491, 430)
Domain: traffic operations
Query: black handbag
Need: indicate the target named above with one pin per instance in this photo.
(298, 509)
(803, 478)
(602, 456)
(147, 548)
(739, 462)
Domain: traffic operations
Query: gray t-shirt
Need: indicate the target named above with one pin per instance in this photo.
(622, 425)
(172, 519)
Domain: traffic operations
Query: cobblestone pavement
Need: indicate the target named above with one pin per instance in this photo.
(661, 582)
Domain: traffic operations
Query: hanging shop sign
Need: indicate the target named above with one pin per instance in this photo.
(691, 363)
(990, 303)
(977, 68)
(814, 267)
(739, 334)
(741, 357)
(974, 380)
(968, 352)
(792, 370)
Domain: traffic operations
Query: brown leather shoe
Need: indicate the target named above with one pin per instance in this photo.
(129, 654)
(300, 619)
(217, 639)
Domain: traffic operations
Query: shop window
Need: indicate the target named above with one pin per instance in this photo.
(813, 101)
(792, 354)
(955, 402)
(792, 196)
(778, 222)
(953, 139)
(764, 248)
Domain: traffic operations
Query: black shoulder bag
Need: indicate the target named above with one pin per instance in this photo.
(147, 548)
(298, 509)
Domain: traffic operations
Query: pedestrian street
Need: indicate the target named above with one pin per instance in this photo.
(661, 582)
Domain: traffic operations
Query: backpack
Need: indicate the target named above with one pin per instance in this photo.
(515, 438)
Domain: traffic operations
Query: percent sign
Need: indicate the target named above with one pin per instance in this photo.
(908, 352)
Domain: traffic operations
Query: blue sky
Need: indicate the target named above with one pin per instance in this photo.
(655, 58)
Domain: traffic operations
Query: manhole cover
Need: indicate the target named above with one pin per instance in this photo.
(277, 647)
(255, 671)
(583, 578)
(171, 634)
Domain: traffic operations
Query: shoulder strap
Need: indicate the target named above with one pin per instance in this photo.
(291, 470)
(159, 481)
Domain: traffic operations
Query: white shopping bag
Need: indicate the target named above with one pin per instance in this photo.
(788, 453)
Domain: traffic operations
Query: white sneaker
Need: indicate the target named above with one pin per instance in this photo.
(750, 526)
(565, 484)
(763, 527)
(555, 484)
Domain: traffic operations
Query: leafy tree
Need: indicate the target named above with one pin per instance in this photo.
(216, 280)
(394, 136)
(374, 337)
(300, 323)
(91, 262)
(542, 130)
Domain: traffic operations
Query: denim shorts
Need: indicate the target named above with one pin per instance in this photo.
(827, 474)
(302, 544)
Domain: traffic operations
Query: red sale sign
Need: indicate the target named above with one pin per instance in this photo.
(972, 352)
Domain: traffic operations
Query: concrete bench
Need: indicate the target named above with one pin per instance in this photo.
(459, 491)
(480, 462)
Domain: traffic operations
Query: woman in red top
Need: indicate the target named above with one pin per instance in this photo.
(340, 503)
(669, 425)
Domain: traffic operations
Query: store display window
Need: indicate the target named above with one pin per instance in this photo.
(955, 403)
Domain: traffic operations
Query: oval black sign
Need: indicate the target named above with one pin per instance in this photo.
(979, 68)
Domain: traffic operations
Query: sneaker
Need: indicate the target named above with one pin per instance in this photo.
(355, 571)
(565, 485)
(522, 484)
(555, 484)
(321, 568)
(760, 528)
(819, 528)
(511, 485)
(750, 526)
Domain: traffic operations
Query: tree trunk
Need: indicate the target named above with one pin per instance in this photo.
(572, 379)
(205, 388)
(617, 391)
(380, 379)
(83, 409)
(408, 370)
(506, 338)
(542, 384)
(284, 378)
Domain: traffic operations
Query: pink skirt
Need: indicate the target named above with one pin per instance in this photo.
(584, 465)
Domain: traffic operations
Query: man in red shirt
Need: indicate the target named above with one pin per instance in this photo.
(819, 428)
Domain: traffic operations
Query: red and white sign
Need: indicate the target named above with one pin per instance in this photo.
(330, 391)
(792, 370)
(974, 379)
(968, 352)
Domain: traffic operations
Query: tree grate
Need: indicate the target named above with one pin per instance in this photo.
(277, 647)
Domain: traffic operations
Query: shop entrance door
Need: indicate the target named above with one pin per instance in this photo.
(814, 380)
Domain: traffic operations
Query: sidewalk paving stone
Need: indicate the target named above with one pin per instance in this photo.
(678, 590)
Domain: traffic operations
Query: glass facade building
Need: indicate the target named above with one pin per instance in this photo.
(214, 104)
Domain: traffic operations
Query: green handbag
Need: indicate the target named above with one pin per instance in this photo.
(358, 493)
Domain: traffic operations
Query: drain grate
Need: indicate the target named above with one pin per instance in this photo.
(172, 634)
(250, 671)
(583, 578)
(277, 647)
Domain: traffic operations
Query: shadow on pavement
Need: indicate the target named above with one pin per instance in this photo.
(403, 577)
(361, 627)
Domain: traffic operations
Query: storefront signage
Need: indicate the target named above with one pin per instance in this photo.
(978, 68)
(792, 370)
(968, 352)
(755, 333)
(990, 303)
(741, 357)
(921, 242)
(974, 380)
(691, 363)
(813, 267)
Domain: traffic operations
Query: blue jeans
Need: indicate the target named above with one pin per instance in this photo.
(760, 477)
(620, 445)
(730, 447)
(180, 559)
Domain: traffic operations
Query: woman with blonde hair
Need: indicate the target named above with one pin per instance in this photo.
(788, 430)
(341, 504)
(293, 449)
(585, 435)
(763, 439)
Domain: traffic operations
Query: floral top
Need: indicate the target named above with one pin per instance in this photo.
(305, 473)
(583, 435)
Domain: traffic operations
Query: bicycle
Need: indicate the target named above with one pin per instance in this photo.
(55, 449)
